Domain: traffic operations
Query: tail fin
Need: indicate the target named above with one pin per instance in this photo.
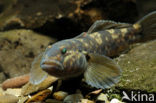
(147, 26)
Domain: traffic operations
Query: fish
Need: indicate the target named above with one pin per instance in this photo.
(90, 53)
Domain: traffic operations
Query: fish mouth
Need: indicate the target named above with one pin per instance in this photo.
(51, 65)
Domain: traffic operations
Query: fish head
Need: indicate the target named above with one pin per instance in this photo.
(63, 61)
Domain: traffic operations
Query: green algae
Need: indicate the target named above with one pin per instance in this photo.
(139, 68)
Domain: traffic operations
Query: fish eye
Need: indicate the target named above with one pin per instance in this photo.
(64, 50)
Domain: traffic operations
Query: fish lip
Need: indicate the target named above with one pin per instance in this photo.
(48, 64)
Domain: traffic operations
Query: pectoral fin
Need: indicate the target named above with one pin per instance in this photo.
(100, 25)
(37, 75)
(102, 72)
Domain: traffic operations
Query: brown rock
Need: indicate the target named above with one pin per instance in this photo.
(53, 101)
(30, 88)
(18, 49)
(60, 95)
(40, 96)
(73, 98)
(15, 82)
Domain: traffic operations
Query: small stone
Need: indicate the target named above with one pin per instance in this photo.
(115, 101)
(103, 98)
(60, 95)
(73, 98)
(8, 99)
(16, 92)
(40, 96)
(95, 92)
(15, 82)
(86, 101)
(53, 101)
(30, 88)
(23, 99)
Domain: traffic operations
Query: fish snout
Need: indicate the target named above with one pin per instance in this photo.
(51, 65)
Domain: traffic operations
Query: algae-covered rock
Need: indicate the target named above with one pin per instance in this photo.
(139, 68)
(18, 49)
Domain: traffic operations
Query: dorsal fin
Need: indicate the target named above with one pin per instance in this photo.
(100, 25)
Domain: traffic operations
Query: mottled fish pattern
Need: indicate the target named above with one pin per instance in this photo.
(90, 52)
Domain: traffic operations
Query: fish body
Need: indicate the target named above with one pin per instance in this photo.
(107, 42)
(89, 52)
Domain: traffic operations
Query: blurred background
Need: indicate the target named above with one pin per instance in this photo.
(63, 19)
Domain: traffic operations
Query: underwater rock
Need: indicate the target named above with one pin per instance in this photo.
(52, 101)
(18, 49)
(86, 101)
(65, 17)
(15, 82)
(60, 95)
(31, 14)
(139, 68)
(116, 101)
(102, 98)
(30, 88)
(8, 99)
(16, 92)
(40, 96)
(95, 92)
(73, 98)
(23, 99)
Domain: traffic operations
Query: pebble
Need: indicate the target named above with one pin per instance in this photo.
(86, 101)
(103, 98)
(115, 101)
(23, 99)
(15, 82)
(52, 101)
(16, 92)
(31, 88)
(73, 98)
(40, 96)
(8, 98)
(60, 95)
